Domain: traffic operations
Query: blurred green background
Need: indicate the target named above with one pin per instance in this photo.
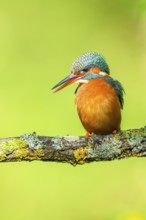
(39, 39)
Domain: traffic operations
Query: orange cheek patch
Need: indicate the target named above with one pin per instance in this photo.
(95, 70)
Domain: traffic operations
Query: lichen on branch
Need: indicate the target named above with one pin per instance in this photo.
(74, 149)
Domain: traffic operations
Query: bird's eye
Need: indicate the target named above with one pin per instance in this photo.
(85, 70)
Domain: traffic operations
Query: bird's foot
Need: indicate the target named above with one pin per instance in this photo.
(87, 135)
(114, 132)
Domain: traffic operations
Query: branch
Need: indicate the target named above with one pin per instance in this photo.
(74, 150)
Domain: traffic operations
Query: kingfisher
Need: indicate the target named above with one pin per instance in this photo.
(98, 97)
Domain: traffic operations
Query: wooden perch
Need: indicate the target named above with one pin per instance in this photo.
(74, 150)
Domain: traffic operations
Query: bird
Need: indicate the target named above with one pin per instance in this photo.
(98, 97)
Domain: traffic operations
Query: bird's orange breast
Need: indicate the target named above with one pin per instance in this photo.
(98, 106)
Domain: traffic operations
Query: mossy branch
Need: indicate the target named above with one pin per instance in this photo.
(74, 150)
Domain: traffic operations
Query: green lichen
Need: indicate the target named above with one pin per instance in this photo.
(25, 153)
(21, 153)
(37, 154)
(11, 145)
(19, 149)
(2, 156)
(81, 154)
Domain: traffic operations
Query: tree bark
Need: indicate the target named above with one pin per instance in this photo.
(74, 149)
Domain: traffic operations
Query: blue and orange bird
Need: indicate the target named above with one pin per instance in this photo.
(99, 97)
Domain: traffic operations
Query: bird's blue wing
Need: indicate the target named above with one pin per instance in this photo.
(118, 88)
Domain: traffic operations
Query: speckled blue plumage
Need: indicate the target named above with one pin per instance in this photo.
(90, 60)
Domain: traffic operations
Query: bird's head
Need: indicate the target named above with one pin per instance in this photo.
(84, 68)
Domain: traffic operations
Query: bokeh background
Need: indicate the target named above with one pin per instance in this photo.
(39, 39)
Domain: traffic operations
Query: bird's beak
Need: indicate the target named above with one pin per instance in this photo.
(67, 81)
